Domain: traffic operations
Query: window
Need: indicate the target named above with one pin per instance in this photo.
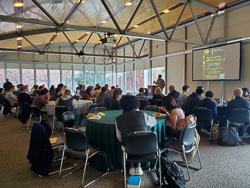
(109, 78)
(114, 79)
(89, 75)
(13, 76)
(139, 79)
(28, 77)
(67, 79)
(42, 77)
(129, 81)
(120, 80)
(99, 75)
(2, 77)
(78, 78)
(54, 77)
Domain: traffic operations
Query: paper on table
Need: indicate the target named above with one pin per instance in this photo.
(53, 140)
(95, 117)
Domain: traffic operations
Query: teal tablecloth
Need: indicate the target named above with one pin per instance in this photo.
(103, 133)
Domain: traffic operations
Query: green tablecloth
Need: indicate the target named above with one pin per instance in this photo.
(103, 133)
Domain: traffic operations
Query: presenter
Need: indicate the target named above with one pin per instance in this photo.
(160, 82)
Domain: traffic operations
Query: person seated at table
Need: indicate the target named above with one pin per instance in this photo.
(18, 89)
(42, 98)
(27, 88)
(245, 94)
(210, 104)
(60, 86)
(104, 99)
(107, 86)
(97, 85)
(97, 91)
(57, 94)
(141, 95)
(88, 94)
(183, 96)
(23, 96)
(115, 104)
(238, 102)
(174, 116)
(158, 93)
(35, 90)
(52, 90)
(67, 100)
(173, 92)
(11, 97)
(129, 121)
(2, 96)
(192, 100)
(111, 92)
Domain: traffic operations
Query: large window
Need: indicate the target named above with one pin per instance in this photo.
(99, 75)
(120, 77)
(129, 81)
(54, 77)
(67, 79)
(28, 77)
(13, 76)
(109, 78)
(42, 77)
(2, 77)
(89, 75)
(139, 79)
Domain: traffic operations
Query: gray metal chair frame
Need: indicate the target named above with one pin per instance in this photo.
(64, 109)
(87, 156)
(187, 141)
(2, 108)
(32, 115)
(125, 154)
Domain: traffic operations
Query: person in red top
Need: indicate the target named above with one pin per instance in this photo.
(87, 95)
(42, 98)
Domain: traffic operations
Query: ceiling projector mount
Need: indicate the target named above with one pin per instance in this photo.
(109, 39)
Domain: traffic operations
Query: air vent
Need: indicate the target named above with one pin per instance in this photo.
(42, 35)
(124, 24)
(151, 8)
(57, 1)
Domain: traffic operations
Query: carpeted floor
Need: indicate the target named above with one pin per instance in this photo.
(225, 167)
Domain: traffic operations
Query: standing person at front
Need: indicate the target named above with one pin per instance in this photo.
(129, 121)
(68, 101)
(104, 99)
(11, 97)
(6, 86)
(160, 82)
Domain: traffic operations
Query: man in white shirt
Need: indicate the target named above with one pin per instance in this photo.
(160, 82)
(183, 95)
(11, 97)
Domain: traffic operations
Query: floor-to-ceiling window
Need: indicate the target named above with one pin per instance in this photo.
(67, 77)
(42, 75)
(2, 74)
(28, 75)
(99, 75)
(54, 75)
(109, 75)
(120, 76)
(13, 74)
(114, 75)
(129, 77)
(139, 72)
(89, 75)
(78, 75)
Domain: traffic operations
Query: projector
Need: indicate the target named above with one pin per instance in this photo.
(108, 41)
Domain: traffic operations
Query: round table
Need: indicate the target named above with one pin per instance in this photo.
(82, 106)
(103, 133)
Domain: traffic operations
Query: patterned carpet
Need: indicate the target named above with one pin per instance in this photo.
(225, 167)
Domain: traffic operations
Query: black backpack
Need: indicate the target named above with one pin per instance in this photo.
(229, 137)
(171, 173)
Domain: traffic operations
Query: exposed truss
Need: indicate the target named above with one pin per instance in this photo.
(54, 26)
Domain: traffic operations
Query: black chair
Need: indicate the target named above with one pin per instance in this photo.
(157, 102)
(143, 104)
(35, 113)
(141, 146)
(99, 109)
(204, 118)
(152, 108)
(186, 144)
(68, 119)
(59, 110)
(2, 108)
(239, 118)
(93, 106)
(77, 146)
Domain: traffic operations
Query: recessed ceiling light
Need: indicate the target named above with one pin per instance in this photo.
(67, 21)
(222, 5)
(19, 46)
(77, 40)
(88, 33)
(128, 4)
(38, 43)
(51, 41)
(56, 33)
(148, 32)
(78, 1)
(19, 38)
(104, 21)
(18, 4)
(124, 24)
(19, 26)
(136, 26)
(166, 11)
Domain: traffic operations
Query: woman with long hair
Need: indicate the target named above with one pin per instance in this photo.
(174, 114)
(115, 104)
(52, 90)
(88, 94)
(158, 93)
